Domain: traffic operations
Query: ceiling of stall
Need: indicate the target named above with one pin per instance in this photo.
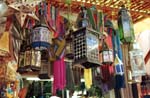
(139, 9)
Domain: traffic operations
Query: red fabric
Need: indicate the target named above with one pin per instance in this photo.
(8, 23)
(107, 72)
(59, 75)
(109, 39)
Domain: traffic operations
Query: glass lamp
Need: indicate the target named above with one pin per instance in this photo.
(125, 26)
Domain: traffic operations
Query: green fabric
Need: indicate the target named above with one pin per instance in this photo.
(91, 18)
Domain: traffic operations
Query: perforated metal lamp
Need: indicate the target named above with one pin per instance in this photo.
(85, 47)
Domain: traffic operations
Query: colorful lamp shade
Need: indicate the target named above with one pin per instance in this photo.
(125, 26)
(40, 37)
(85, 47)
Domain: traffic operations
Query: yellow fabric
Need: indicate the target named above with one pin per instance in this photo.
(88, 77)
(4, 44)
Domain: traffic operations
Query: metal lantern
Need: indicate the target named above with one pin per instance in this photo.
(40, 37)
(29, 60)
(82, 20)
(33, 59)
(85, 47)
(137, 61)
(45, 65)
(107, 56)
(125, 26)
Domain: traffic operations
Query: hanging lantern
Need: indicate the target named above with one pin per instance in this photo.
(29, 60)
(82, 20)
(85, 47)
(40, 37)
(137, 61)
(45, 65)
(33, 59)
(125, 26)
(107, 56)
(118, 66)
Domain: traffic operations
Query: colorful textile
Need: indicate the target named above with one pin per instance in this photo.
(88, 77)
(69, 76)
(120, 82)
(59, 75)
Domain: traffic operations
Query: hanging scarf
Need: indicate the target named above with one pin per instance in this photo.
(88, 77)
(77, 73)
(120, 81)
(69, 76)
(59, 75)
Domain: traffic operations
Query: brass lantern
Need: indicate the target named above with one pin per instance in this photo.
(33, 59)
(29, 60)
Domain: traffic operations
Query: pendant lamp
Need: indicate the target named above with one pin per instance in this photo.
(41, 38)
(107, 54)
(29, 59)
(33, 59)
(125, 26)
(4, 45)
(82, 20)
(85, 47)
(137, 60)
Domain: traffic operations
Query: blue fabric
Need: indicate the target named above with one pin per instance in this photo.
(116, 44)
(119, 52)
(120, 81)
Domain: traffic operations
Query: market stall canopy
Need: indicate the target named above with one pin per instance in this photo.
(139, 9)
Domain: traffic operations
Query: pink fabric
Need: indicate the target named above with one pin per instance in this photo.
(59, 75)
